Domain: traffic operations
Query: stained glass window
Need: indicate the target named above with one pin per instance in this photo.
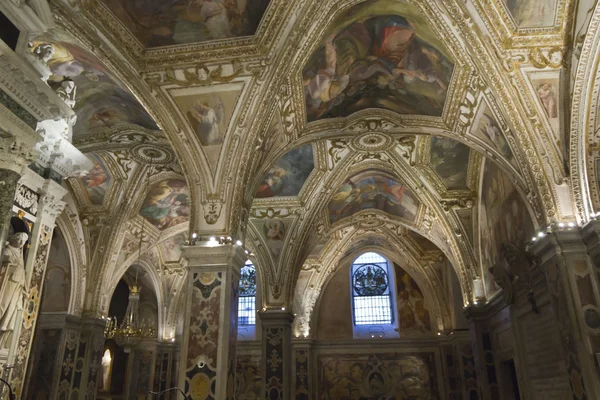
(371, 290)
(247, 291)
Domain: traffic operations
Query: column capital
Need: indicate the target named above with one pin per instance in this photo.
(51, 204)
(57, 152)
(272, 317)
(202, 256)
(16, 153)
(557, 243)
(591, 234)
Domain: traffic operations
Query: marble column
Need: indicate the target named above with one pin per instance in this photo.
(483, 355)
(277, 354)
(50, 207)
(53, 356)
(573, 285)
(208, 349)
(165, 369)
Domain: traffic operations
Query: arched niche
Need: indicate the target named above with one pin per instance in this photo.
(416, 311)
(124, 366)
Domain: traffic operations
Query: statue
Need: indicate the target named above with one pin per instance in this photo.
(14, 286)
(66, 91)
(39, 58)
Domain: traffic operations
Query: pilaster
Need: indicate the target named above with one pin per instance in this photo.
(483, 354)
(563, 256)
(208, 348)
(303, 363)
(50, 206)
(277, 354)
(165, 369)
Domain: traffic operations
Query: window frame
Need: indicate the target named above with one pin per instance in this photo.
(388, 292)
(252, 315)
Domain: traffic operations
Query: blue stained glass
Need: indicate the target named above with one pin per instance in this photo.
(247, 281)
(370, 280)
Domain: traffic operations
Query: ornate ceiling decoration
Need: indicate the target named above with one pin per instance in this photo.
(297, 121)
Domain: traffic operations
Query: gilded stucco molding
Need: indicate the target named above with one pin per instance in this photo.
(583, 126)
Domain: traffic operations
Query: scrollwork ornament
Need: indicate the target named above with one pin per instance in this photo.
(407, 148)
(201, 75)
(27, 199)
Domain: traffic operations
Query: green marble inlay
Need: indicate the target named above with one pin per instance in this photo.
(18, 110)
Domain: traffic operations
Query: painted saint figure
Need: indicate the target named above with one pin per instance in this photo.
(548, 99)
(206, 121)
(14, 287)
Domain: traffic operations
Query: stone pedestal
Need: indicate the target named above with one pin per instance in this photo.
(208, 348)
(277, 354)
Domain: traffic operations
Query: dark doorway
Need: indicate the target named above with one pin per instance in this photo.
(510, 382)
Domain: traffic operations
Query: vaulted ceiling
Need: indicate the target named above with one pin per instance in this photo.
(312, 128)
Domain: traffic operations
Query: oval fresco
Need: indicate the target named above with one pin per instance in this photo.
(373, 191)
(380, 54)
(288, 175)
(163, 23)
(167, 204)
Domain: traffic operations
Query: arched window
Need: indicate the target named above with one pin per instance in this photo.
(247, 301)
(371, 295)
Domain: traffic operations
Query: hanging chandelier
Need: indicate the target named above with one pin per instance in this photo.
(129, 333)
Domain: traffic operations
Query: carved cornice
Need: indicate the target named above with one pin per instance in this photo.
(23, 84)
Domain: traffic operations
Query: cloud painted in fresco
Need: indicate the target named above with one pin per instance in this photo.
(289, 173)
(380, 54)
(373, 191)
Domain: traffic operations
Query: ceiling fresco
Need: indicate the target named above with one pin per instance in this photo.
(97, 182)
(209, 114)
(167, 204)
(288, 175)
(273, 232)
(450, 160)
(373, 190)
(101, 100)
(380, 54)
(532, 13)
(252, 125)
(413, 313)
(503, 218)
(486, 128)
(170, 249)
(163, 23)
